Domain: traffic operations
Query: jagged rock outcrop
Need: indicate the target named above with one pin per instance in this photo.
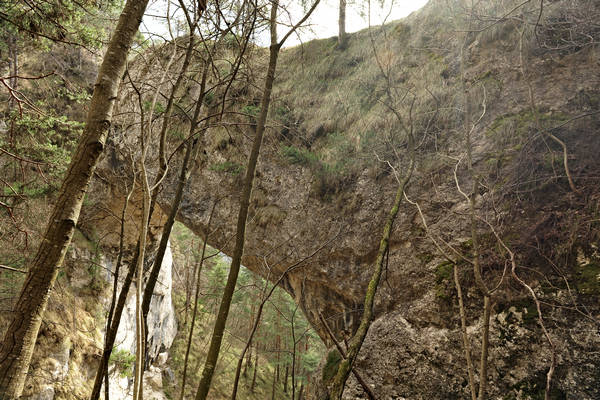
(299, 206)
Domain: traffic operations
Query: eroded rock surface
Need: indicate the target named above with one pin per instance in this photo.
(331, 234)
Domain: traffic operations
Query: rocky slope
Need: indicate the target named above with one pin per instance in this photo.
(324, 184)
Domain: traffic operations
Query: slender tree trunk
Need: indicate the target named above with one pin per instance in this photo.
(195, 310)
(113, 299)
(188, 285)
(285, 379)
(481, 286)
(274, 384)
(19, 340)
(485, 344)
(190, 155)
(345, 367)
(293, 369)
(342, 352)
(278, 347)
(465, 336)
(255, 370)
(301, 391)
(13, 66)
(248, 361)
(138, 382)
(219, 328)
(138, 379)
(114, 327)
(342, 36)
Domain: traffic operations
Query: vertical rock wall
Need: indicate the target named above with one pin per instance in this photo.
(72, 335)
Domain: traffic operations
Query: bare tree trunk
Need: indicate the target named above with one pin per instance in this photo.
(219, 328)
(342, 36)
(139, 321)
(113, 299)
(342, 352)
(13, 66)
(190, 155)
(293, 369)
(485, 344)
(19, 340)
(255, 370)
(469, 126)
(278, 349)
(138, 379)
(339, 381)
(285, 379)
(248, 361)
(465, 336)
(114, 327)
(196, 298)
(274, 384)
(188, 284)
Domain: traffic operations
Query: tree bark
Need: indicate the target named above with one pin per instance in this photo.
(19, 340)
(274, 383)
(248, 361)
(465, 336)
(113, 299)
(13, 65)
(219, 328)
(114, 327)
(285, 379)
(190, 156)
(485, 344)
(342, 352)
(339, 381)
(138, 380)
(254, 373)
(342, 36)
(195, 310)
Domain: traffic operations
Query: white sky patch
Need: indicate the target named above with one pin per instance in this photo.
(322, 24)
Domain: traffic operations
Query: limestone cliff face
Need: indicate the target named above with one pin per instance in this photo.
(162, 326)
(331, 224)
(71, 338)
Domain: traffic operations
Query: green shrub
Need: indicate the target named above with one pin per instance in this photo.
(300, 156)
(331, 365)
(443, 278)
(229, 167)
(123, 361)
(251, 110)
(443, 272)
